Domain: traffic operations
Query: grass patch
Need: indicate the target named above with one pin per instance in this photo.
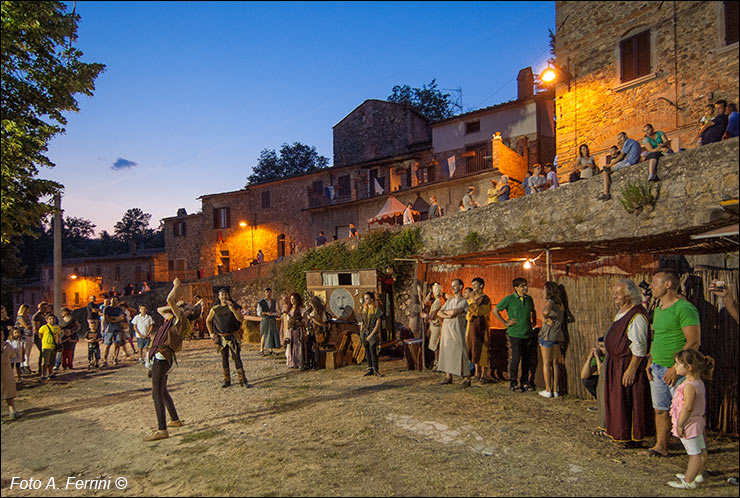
(472, 241)
(637, 196)
(201, 435)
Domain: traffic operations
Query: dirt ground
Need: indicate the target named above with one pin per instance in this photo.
(331, 432)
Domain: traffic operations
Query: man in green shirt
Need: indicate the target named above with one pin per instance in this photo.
(521, 319)
(676, 327)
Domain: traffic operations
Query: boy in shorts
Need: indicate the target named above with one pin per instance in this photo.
(143, 325)
(92, 338)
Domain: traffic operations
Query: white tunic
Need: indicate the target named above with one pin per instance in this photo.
(453, 352)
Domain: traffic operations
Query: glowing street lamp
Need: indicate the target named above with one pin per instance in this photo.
(242, 224)
(73, 276)
(548, 75)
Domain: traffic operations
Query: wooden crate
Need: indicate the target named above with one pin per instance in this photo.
(332, 359)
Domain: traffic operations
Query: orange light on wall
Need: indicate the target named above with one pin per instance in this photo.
(528, 264)
(73, 277)
(242, 224)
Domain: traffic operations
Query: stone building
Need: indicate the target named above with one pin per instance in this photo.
(461, 153)
(84, 277)
(380, 148)
(626, 64)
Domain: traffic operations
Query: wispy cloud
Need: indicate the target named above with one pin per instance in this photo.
(122, 163)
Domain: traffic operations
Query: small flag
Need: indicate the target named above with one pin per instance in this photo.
(451, 165)
(378, 187)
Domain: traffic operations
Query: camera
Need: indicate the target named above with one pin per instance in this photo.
(646, 288)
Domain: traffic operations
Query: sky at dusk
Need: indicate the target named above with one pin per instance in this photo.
(193, 91)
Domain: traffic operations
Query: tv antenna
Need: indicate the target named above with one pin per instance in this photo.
(458, 102)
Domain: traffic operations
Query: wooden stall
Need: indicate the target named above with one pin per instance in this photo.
(342, 292)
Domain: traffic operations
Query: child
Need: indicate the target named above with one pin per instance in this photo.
(687, 413)
(92, 338)
(69, 341)
(19, 345)
(49, 339)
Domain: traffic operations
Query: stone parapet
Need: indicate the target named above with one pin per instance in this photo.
(693, 183)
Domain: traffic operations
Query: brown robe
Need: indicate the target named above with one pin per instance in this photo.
(479, 310)
(628, 410)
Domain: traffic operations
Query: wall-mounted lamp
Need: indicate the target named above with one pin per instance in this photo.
(528, 264)
(242, 224)
(73, 277)
(554, 73)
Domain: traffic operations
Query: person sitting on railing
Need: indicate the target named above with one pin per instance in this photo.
(629, 155)
(537, 182)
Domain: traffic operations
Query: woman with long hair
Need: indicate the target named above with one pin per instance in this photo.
(295, 331)
(551, 337)
(586, 163)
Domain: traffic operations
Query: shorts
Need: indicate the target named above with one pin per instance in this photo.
(548, 344)
(48, 356)
(695, 445)
(112, 338)
(660, 392)
(621, 164)
(143, 342)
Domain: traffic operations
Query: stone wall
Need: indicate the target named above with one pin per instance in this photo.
(377, 129)
(693, 184)
(690, 69)
(184, 247)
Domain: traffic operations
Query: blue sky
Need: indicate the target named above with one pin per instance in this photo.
(193, 91)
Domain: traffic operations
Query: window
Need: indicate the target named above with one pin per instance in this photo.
(472, 127)
(345, 278)
(372, 188)
(179, 229)
(266, 199)
(343, 187)
(77, 298)
(281, 245)
(732, 28)
(634, 54)
(225, 265)
(222, 217)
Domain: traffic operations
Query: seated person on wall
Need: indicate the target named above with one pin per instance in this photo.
(733, 122)
(629, 155)
(537, 182)
(656, 144)
(713, 130)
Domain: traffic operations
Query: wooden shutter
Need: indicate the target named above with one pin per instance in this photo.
(635, 56)
(732, 24)
(228, 217)
(215, 219)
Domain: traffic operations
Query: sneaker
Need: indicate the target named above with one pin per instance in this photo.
(157, 436)
(733, 481)
(545, 394)
(698, 479)
(175, 423)
(682, 484)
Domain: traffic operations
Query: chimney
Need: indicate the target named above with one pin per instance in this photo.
(525, 84)
(182, 212)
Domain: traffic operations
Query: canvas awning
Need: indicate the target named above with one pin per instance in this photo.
(390, 211)
(685, 242)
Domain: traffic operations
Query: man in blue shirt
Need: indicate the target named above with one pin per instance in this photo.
(629, 154)
(733, 125)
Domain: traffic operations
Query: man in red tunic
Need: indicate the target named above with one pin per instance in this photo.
(627, 405)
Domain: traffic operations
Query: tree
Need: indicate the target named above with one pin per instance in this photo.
(427, 100)
(296, 159)
(134, 226)
(78, 228)
(41, 74)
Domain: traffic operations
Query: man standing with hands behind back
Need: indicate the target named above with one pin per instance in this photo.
(676, 327)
